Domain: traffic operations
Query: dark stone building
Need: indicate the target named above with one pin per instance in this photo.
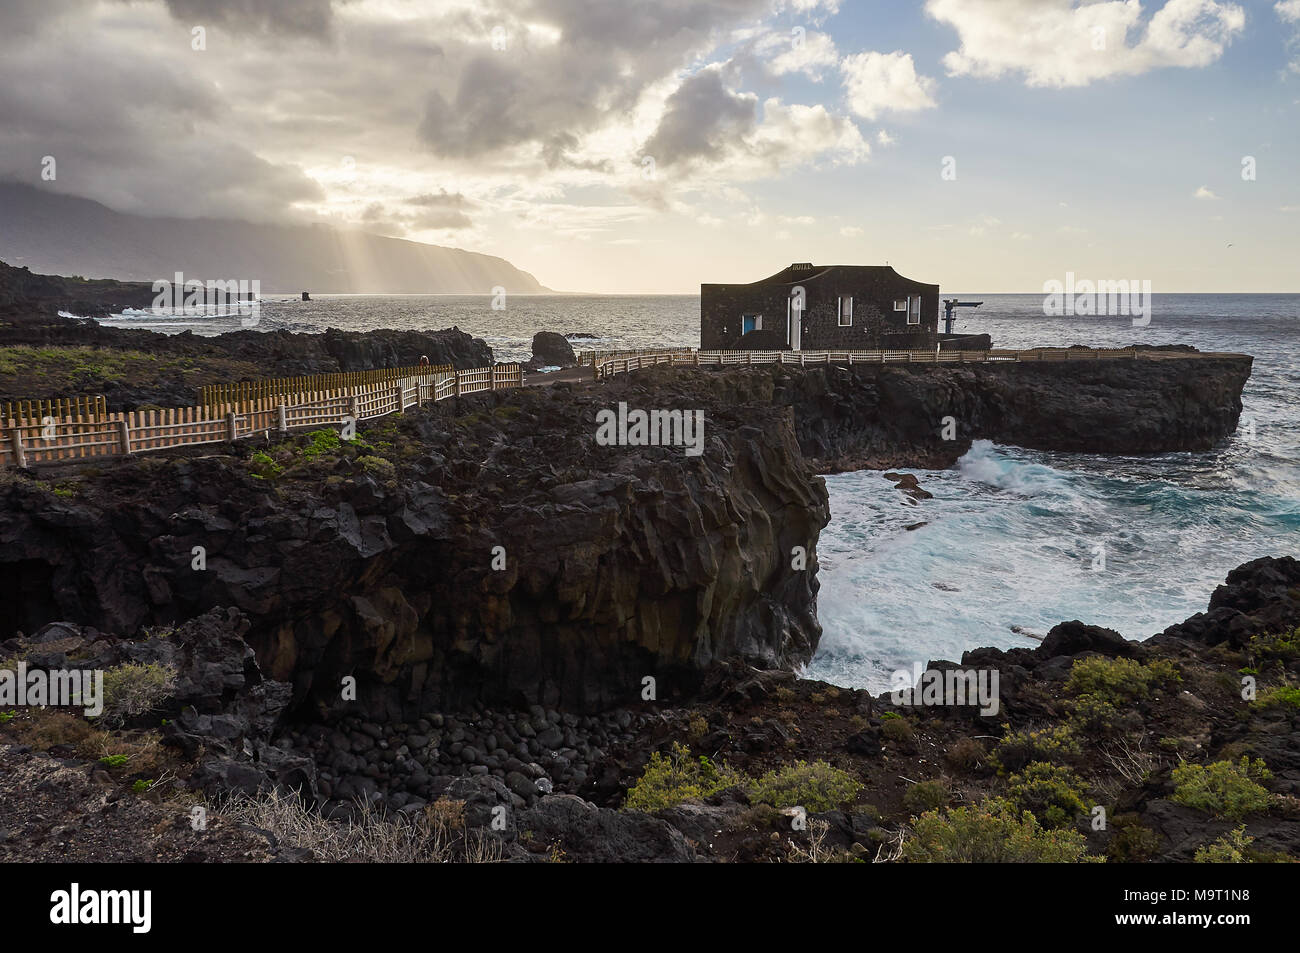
(821, 307)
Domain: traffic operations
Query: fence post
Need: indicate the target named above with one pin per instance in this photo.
(124, 434)
(398, 390)
(20, 458)
(354, 407)
(282, 417)
(232, 427)
(456, 378)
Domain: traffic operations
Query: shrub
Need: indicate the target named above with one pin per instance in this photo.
(1279, 696)
(896, 728)
(1132, 842)
(669, 780)
(1228, 849)
(991, 833)
(1224, 788)
(698, 727)
(263, 466)
(814, 787)
(1054, 745)
(1120, 681)
(377, 466)
(1053, 794)
(1092, 714)
(1283, 646)
(114, 760)
(925, 796)
(966, 754)
(133, 689)
(321, 442)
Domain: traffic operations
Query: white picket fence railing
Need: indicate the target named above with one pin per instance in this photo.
(50, 439)
(606, 364)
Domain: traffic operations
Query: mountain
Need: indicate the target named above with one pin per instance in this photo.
(64, 235)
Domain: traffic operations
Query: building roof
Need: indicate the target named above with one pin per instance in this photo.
(800, 272)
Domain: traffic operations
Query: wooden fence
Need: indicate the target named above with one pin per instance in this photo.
(606, 364)
(51, 438)
(78, 407)
(215, 394)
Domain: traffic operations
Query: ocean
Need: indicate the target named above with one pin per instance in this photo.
(1014, 541)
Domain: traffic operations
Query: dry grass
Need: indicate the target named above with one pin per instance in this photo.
(437, 835)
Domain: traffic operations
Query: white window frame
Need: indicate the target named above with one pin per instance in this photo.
(914, 309)
(842, 315)
(904, 302)
(758, 321)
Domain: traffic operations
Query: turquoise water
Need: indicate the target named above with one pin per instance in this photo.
(1012, 536)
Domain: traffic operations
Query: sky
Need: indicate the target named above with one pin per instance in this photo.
(634, 146)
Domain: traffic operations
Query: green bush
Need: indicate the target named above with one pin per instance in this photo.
(320, 442)
(1056, 744)
(133, 689)
(991, 833)
(377, 466)
(814, 787)
(1093, 715)
(1229, 849)
(114, 760)
(1053, 794)
(1120, 681)
(669, 780)
(1132, 842)
(1279, 696)
(263, 466)
(1224, 788)
(896, 728)
(1283, 646)
(926, 796)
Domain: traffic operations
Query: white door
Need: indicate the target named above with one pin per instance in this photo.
(794, 322)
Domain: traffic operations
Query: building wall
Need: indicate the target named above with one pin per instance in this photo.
(875, 323)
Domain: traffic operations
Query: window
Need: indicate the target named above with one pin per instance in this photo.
(846, 311)
(914, 312)
(751, 322)
(900, 304)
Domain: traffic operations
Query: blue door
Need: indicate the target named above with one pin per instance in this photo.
(749, 322)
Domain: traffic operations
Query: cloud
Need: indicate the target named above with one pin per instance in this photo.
(851, 231)
(347, 111)
(1288, 11)
(884, 138)
(1059, 43)
(812, 54)
(1204, 193)
(708, 127)
(702, 119)
(885, 82)
(284, 17)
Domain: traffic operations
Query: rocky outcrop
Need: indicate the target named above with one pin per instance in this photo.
(1259, 597)
(616, 563)
(880, 416)
(551, 349)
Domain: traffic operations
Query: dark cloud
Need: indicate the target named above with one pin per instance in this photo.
(607, 53)
(436, 211)
(290, 17)
(701, 119)
(557, 153)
